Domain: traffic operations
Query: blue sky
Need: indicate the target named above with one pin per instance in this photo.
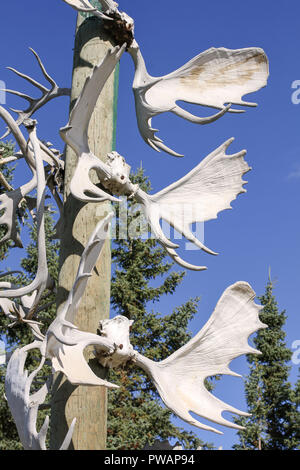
(263, 228)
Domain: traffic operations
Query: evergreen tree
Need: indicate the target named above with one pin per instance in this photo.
(135, 414)
(273, 402)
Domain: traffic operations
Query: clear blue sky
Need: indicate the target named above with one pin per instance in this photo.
(263, 228)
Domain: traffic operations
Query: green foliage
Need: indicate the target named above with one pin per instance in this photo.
(141, 277)
(272, 401)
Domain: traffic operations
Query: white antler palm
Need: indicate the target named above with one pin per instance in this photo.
(216, 78)
(180, 379)
(197, 197)
(24, 406)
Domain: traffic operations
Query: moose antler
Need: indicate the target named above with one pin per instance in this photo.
(197, 197)
(64, 343)
(86, 7)
(24, 406)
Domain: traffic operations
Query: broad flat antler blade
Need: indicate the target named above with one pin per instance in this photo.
(213, 78)
(75, 133)
(64, 343)
(23, 408)
(180, 378)
(217, 78)
(197, 197)
(23, 405)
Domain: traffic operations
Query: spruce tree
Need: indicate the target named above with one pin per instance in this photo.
(273, 402)
(141, 277)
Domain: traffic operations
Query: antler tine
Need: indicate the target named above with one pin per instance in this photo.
(5, 183)
(21, 95)
(44, 71)
(13, 126)
(31, 80)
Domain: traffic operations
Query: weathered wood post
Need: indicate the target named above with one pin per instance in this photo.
(87, 404)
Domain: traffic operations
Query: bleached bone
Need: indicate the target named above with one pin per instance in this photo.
(117, 331)
(12, 158)
(180, 379)
(40, 281)
(51, 156)
(35, 103)
(86, 7)
(110, 11)
(197, 197)
(109, 6)
(75, 132)
(81, 5)
(9, 203)
(26, 150)
(120, 26)
(17, 313)
(64, 343)
(217, 78)
(5, 183)
(24, 406)
(13, 127)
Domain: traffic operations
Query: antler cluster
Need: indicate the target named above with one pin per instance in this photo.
(218, 78)
(48, 94)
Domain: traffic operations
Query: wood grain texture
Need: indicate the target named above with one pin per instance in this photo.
(87, 404)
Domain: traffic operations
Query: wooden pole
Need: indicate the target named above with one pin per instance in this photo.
(87, 404)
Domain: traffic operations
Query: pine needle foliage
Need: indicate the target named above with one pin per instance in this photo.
(273, 402)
